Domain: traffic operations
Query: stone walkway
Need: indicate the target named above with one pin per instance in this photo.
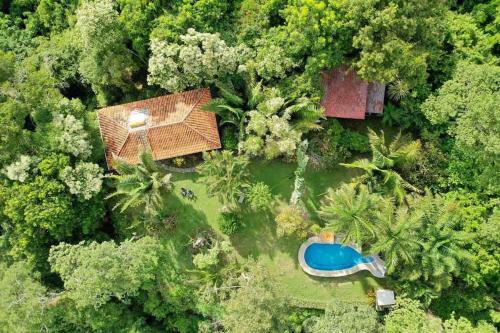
(376, 267)
(179, 170)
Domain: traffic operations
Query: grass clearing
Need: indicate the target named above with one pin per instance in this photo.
(258, 238)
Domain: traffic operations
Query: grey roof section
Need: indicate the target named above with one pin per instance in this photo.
(375, 99)
(385, 297)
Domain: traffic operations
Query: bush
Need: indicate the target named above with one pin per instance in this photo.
(291, 221)
(355, 141)
(335, 145)
(259, 196)
(179, 161)
(229, 223)
(229, 139)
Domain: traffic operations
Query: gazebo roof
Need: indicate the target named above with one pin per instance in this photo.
(348, 96)
(168, 126)
(385, 297)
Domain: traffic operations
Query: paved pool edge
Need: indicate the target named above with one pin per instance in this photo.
(376, 267)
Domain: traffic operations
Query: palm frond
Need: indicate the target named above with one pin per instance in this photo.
(214, 105)
(363, 164)
(230, 96)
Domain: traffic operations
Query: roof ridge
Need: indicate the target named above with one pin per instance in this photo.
(113, 120)
(197, 132)
(194, 105)
(123, 144)
(192, 108)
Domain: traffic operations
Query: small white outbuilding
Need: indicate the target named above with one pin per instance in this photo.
(384, 299)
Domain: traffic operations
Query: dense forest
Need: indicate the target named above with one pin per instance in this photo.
(87, 249)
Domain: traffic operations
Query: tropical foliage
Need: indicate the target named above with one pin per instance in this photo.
(142, 185)
(350, 211)
(382, 172)
(424, 200)
(225, 175)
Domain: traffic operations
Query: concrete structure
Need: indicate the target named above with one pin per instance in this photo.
(384, 299)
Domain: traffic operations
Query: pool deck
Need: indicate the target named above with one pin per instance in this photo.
(376, 267)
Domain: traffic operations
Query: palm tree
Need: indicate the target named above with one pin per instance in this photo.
(304, 115)
(441, 255)
(397, 238)
(232, 109)
(140, 185)
(225, 175)
(388, 160)
(351, 212)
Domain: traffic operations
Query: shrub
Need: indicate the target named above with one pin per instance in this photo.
(291, 221)
(335, 145)
(229, 139)
(229, 223)
(179, 161)
(259, 196)
(325, 149)
(355, 141)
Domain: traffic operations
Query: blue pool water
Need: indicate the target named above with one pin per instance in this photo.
(332, 257)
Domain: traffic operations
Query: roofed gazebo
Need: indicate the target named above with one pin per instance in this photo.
(348, 96)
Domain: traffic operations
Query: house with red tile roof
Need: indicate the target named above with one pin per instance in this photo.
(347, 96)
(167, 126)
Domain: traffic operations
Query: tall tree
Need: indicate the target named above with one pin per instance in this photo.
(392, 39)
(382, 172)
(22, 299)
(201, 58)
(93, 274)
(408, 316)
(466, 107)
(225, 175)
(344, 317)
(143, 184)
(351, 212)
(397, 237)
(256, 306)
(106, 61)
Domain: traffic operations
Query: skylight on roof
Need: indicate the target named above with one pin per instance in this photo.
(137, 119)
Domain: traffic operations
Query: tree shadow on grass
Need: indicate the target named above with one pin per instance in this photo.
(189, 222)
(257, 235)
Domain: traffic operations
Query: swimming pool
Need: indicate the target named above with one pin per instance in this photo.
(326, 259)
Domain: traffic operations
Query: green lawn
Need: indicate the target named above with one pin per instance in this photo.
(258, 237)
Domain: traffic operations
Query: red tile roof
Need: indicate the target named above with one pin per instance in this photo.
(175, 126)
(347, 96)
